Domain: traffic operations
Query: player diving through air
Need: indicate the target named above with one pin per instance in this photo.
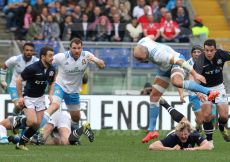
(171, 68)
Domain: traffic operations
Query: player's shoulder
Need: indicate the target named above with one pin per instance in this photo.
(34, 59)
(17, 58)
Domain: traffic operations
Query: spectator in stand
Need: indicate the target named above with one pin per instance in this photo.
(163, 12)
(101, 4)
(184, 25)
(155, 7)
(52, 30)
(96, 14)
(37, 7)
(179, 3)
(11, 12)
(124, 12)
(89, 9)
(66, 28)
(108, 6)
(181, 18)
(44, 13)
(125, 3)
(113, 11)
(169, 29)
(144, 18)
(138, 10)
(152, 28)
(82, 4)
(54, 8)
(133, 31)
(76, 14)
(27, 21)
(81, 30)
(70, 4)
(101, 29)
(36, 29)
(118, 29)
(171, 4)
(60, 16)
(199, 29)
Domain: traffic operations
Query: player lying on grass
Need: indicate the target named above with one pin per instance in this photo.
(183, 138)
(59, 129)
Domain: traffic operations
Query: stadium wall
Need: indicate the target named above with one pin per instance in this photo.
(118, 112)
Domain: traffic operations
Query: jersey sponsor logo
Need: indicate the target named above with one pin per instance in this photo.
(83, 62)
(39, 74)
(51, 73)
(39, 82)
(66, 63)
(205, 66)
(219, 61)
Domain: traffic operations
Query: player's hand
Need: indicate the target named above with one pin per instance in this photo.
(199, 78)
(189, 149)
(3, 85)
(21, 102)
(182, 98)
(201, 97)
(90, 57)
(177, 147)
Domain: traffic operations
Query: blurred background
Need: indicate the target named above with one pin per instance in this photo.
(110, 29)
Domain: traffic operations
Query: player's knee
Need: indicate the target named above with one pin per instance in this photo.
(177, 81)
(32, 123)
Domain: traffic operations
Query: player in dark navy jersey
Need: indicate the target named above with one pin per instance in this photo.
(210, 65)
(37, 76)
(183, 138)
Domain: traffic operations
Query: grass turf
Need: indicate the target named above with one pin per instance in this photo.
(114, 146)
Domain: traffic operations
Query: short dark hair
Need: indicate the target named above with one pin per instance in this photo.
(75, 40)
(28, 44)
(210, 42)
(44, 50)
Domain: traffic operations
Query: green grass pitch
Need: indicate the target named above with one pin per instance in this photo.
(114, 146)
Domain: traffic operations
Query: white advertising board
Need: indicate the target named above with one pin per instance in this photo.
(117, 112)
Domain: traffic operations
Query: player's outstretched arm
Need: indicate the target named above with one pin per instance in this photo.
(185, 65)
(157, 145)
(3, 72)
(205, 145)
(19, 90)
(100, 63)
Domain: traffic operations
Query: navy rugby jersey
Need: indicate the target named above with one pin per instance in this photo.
(172, 140)
(212, 70)
(37, 77)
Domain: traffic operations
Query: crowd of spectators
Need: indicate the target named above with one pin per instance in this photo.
(98, 20)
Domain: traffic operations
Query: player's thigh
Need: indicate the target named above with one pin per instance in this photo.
(64, 135)
(6, 123)
(177, 76)
(222, 109)
(160, 85)
(31, 117)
